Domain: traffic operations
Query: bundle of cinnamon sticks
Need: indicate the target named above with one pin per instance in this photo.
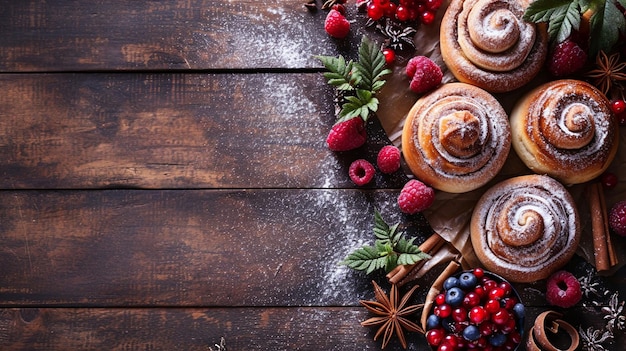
(604, 252)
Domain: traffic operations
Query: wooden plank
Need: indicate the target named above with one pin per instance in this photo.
(40, 35)
(188, 247)
(167, 130)
(298, 328)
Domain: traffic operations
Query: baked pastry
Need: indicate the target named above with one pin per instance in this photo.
(487, 43)
(565, 129)
(525, 228)
(456, 138)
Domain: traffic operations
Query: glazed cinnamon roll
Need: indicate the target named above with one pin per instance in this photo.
(525, 228)
(487, 43)
(456, 138)
(565, 129)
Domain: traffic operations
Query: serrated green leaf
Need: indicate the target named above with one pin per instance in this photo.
(366, 259)
(561, 15)
(370, 67)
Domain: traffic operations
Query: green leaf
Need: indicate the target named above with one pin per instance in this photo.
(409, 253)
(366, 259)
(371, 66)
(607, 22)
(561, 15)
(339, 71)
(384, 232)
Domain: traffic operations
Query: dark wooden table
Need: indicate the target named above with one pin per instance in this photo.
(165, 182)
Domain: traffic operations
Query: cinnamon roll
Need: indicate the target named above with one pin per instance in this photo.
(456, 138)
(565, 129)
(525, 228)
(487, 43)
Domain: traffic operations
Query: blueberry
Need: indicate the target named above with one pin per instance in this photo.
(471, 333)
(519, 310)
(467, 280)
(448, 324)
(450, 283)
(497, 339)
(454, 296)
(433, 322)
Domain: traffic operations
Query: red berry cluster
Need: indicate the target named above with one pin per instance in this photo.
(423, 11)
(476, 310)
(619, 109)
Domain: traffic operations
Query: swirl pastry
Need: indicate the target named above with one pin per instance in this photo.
(456, 138)
(525, 228)
(565, 129)
(487, 43)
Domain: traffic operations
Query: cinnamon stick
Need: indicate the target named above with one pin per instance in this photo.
(604, 252)
(430, 246)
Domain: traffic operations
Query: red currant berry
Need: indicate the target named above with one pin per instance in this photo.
(508, 303)
(477, 315)
(433, 5)
(508, 326)
(459, 314)
(402, 13)
(428, 17)
(480, 291)
(618, 106)
(390, 55)
(390, 11)
(489, 284)
(487, 328)
(440, 299)
(492, 306)
(479, 272)
(506, 287)
(496, 293)
(501, 317)
(375, 11)
(609, 180)
(443, 311)
(435, 336)
(471, 299)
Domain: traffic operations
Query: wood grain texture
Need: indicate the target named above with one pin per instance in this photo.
(188, 248)
(41, 35)
(172, 131)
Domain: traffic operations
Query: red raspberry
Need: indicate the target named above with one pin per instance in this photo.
(415, 197)
(336, 24)
(566, 58)
(347, 135)
(563, 289)
(361, 172)
(425, 74)
(617, 218)
(388, 160)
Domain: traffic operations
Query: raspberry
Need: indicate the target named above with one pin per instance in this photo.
(415, 197)
(566, 58)
(563, 289)
(617, 218)
(361, 172)
(347, 135)
(388, 160)
(336, 24)
(425, 74)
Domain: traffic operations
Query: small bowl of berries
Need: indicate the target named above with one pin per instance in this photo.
(475, 310)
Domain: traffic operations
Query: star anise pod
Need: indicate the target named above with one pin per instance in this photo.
(610, 71)
(391, 314)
